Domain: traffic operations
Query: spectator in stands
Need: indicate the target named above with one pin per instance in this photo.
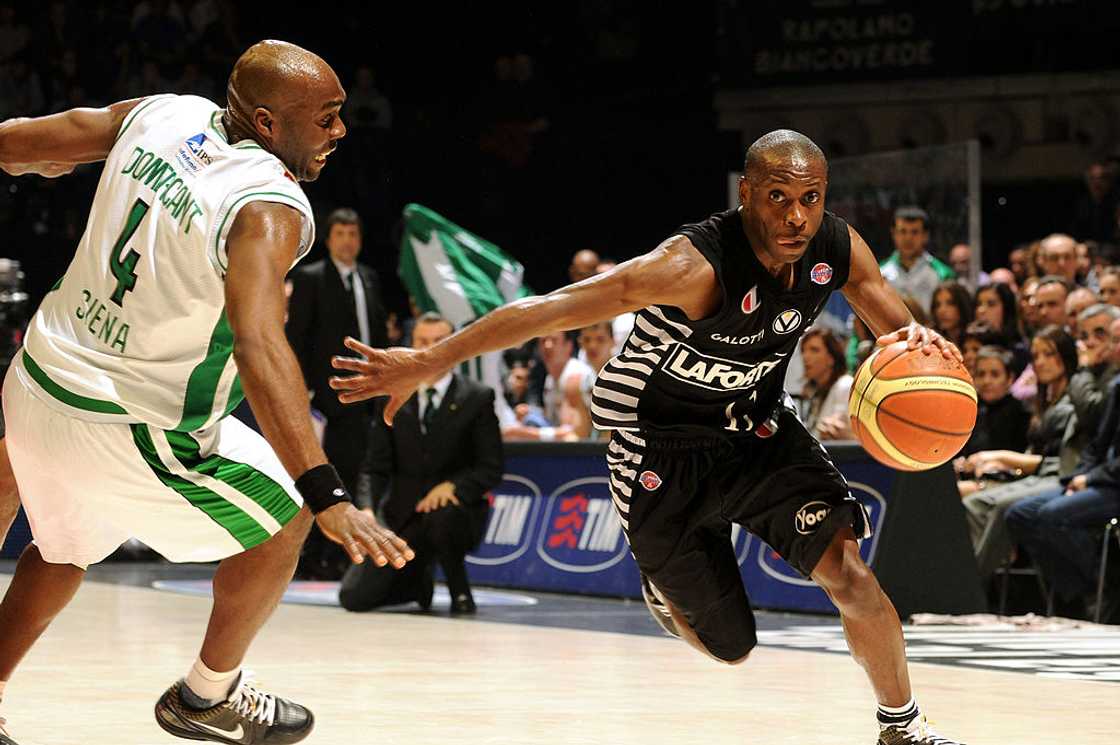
(996, 306)
(1001, 419)
(596, 345)
(1050, 301)
(584, 264)
(517, 383)
(14, 36)
(1084, 251)
(1057, 255)
(1088, 387)
(824, 399)
(980, 334)
(428, 475)
(960, 260)
(563, 371)
(1094, 216)
(368, 106)
(911, 268)
(951, 310)
(1110, 285)
(1061, 527)
(1002, 276)
(1028, 307)
(1018, 261)
(1078, 300)
(1050, 438)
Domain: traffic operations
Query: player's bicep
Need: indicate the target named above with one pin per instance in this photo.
(261, 245)
(674, 273)
(82, 135)
(869, 294)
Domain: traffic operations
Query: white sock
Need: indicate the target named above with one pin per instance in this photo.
(209, 685)
(898, 716)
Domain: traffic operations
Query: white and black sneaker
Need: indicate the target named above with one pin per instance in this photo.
(247, 717)
(657, 608)
(5, 736)
(917, 732)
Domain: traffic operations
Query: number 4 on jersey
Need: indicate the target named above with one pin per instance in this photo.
(125, 271)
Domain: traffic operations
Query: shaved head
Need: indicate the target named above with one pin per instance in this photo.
(272, 75)
(275, 91)
(782, 148)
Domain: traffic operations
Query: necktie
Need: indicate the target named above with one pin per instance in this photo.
(354, 286)
(429, 410)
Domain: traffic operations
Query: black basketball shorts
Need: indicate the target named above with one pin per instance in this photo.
(677, 499)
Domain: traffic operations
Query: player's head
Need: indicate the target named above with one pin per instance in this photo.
(288, 99)
(782, 193)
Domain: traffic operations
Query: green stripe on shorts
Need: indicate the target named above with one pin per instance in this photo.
(245, 530)
(256, 485)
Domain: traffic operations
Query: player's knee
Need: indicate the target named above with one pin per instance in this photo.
(733, 651)
(852, 586)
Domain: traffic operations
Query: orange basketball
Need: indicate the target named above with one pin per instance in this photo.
(912, 411)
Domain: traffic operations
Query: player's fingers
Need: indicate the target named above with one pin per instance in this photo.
(352, 364)
(357, 346)
(393, 553)
(373, 548)
(891, 338)
(346, 383)
(354, 550)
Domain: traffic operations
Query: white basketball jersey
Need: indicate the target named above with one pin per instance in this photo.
(136, 329)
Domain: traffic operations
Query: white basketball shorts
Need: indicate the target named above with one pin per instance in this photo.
(87, 487)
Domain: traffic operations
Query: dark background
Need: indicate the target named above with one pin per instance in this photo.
(624, 144)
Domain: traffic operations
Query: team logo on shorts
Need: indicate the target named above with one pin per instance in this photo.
(650, 480)
(788, 321)
(810, 517)
(821, 274)
(750, 300)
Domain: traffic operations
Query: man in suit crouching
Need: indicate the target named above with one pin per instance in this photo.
(441, 456)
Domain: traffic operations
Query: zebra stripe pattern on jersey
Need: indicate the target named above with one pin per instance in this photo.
(614, 399)
(624, 459)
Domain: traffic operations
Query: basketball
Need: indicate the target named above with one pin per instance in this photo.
(912, 411)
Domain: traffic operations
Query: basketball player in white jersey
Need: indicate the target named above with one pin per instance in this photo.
(116, 409)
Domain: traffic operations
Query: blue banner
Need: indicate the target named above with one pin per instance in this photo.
(553, 526)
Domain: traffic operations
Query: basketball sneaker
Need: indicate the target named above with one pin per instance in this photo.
(5, 736)
(918, 732)
(248, 717)
(657, 608)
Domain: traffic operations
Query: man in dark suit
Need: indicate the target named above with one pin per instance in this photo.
(332, 299)
(443, 453)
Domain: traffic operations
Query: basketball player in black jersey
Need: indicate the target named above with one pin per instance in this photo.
(702, 436)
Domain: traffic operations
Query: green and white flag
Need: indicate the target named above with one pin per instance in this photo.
(462, 277)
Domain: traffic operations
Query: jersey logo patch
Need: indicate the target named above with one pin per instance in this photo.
(650, 480)
(810, 517)
(750, 300)
(788, 321)
(716, 373)
(821, 274)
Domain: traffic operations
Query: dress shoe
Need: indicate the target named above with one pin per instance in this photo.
(463, 605)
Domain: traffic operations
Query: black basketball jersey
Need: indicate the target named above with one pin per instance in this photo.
(725, 372)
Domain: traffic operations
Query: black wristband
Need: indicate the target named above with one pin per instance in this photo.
(321, 488)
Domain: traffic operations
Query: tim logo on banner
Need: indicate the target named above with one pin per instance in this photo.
(514, 508)
(774, 566)
(580, 531)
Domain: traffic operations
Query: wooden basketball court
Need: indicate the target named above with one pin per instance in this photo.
(416, 679)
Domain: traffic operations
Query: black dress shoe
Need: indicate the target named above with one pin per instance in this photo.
(463, 604)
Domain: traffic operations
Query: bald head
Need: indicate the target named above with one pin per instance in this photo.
(785, 149)
(288, 100)
(273, 74)
(584, 264)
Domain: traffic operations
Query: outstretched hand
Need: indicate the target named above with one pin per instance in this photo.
(361, 535)
(918, 336)
(395, 372)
